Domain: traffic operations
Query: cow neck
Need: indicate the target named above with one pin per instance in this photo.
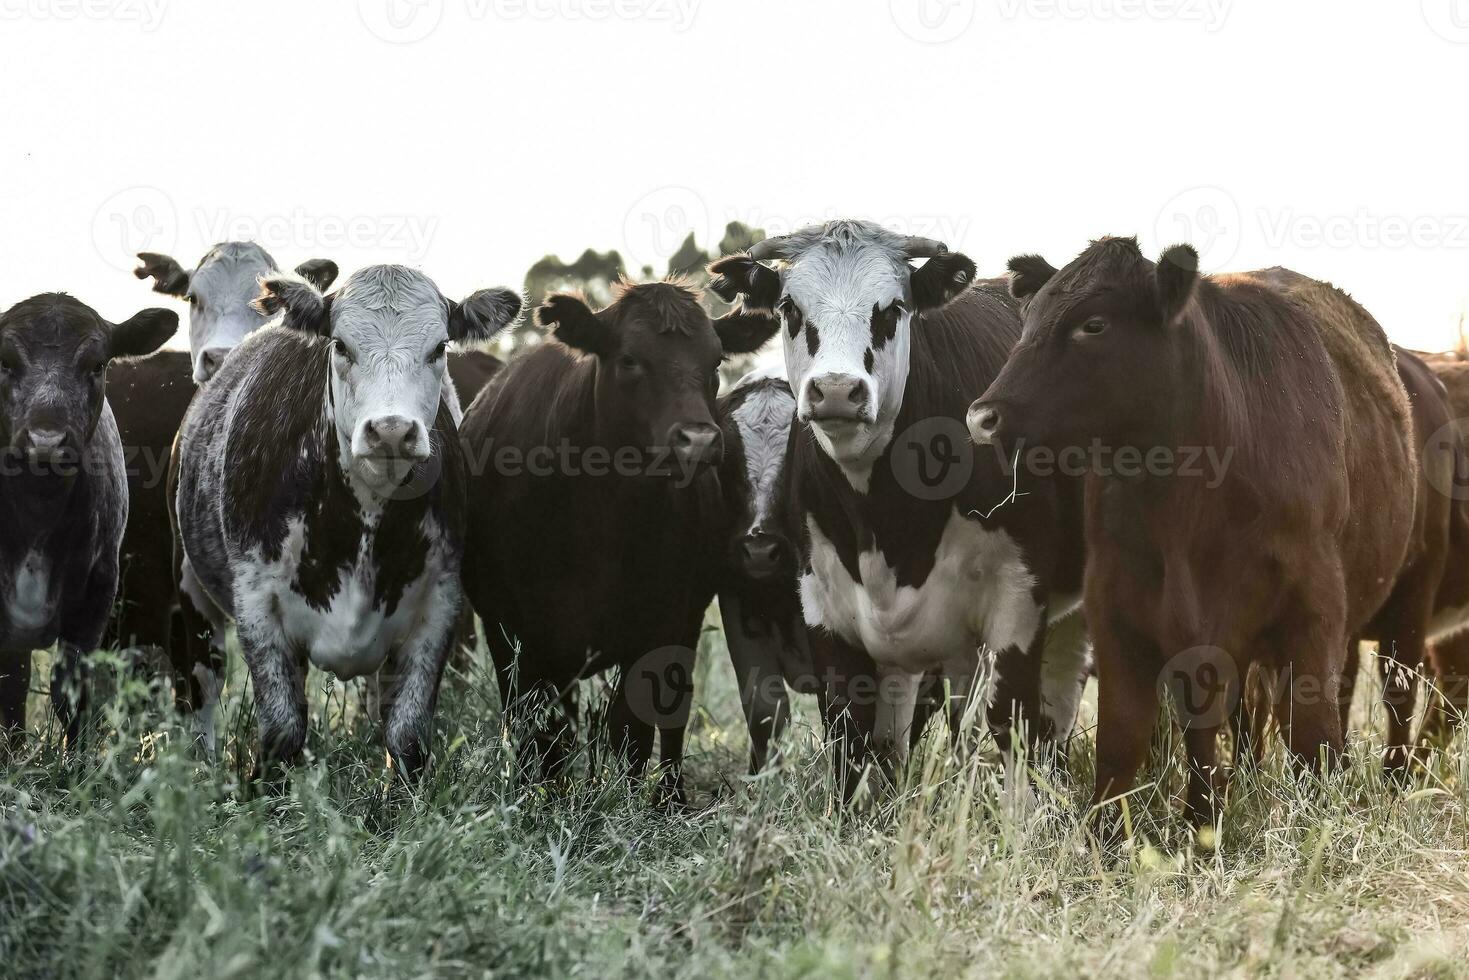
(34, 503)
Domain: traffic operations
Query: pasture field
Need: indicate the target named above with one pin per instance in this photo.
(139, 862)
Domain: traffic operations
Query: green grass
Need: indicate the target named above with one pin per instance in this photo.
(140, 861)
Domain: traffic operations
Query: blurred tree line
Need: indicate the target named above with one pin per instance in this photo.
(594, 273)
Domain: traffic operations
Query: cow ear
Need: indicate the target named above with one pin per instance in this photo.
(169, 278)
(483, 314)
(1028, 273)
(321, 273)
(942, 278)
(1177, 274)
(142, 333)
(574, 324)
(757, 286)
(744, 333)
(305, 308)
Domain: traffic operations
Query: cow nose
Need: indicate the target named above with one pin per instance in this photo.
(696, 444)
(837, 396)
(391, 435)
(760, 554)
(209, 362)
(984, 423)
(44, 444)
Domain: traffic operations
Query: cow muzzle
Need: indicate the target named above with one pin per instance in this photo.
(837, 398)
(984, 419)
(760, 555)
(47, 445)
(391, 437)
(696, 444)
(211, 359)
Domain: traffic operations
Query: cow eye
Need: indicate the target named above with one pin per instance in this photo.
(9, 365)
(628, 363)
(340, 349)
(1091, 326)
(99, 370)
(439, 352)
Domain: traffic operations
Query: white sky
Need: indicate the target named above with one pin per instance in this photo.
(1325, 135)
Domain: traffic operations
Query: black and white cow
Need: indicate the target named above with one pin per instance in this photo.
(916, 552)
(759, 599)
(319, 498)
(63, 494)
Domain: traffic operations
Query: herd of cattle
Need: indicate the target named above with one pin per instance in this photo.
(337, 486)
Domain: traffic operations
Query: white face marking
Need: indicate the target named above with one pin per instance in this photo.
(351, 637)
(764, 423)
(836, 281)
(389, 328)
(30, 605)
(979, 592)
(220, 292)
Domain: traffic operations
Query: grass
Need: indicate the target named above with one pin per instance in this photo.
(138, 860)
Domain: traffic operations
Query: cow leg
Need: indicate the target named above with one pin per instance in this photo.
(892, 728)
(628, 729)
(1306, 707)
(1127, 711)
(848, 697)
(280, 697)
(15, 686)
(199, 660)
(412, 692)
(1065, 663)
(756, 659)
(83, 624)
(1449, 704)
(1014, 707)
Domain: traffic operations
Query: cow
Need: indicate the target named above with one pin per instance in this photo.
(1194, 574)
(63, 494)
(594, 537)
(318, 499)
(149, 396)
(917, 554)
(759, 597)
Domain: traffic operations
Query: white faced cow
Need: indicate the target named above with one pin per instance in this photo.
(221, 292)
(63, 496)
(320, 497)
(915, 553)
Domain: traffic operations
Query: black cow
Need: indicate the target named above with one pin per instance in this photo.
(63, 495)
(595, 530)
(917, 551)
(759, 600)
(319, 490)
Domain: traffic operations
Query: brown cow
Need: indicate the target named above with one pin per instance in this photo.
(1278, 560)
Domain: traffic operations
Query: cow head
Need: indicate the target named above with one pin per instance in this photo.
(657, 368)
(54, 352)
(220, 291)
(389, 328)
(756, 418)
(847, 295)
(1098, 350)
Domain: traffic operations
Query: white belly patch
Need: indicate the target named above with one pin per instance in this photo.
(978, 592)
(29, 604)
(351, 636)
